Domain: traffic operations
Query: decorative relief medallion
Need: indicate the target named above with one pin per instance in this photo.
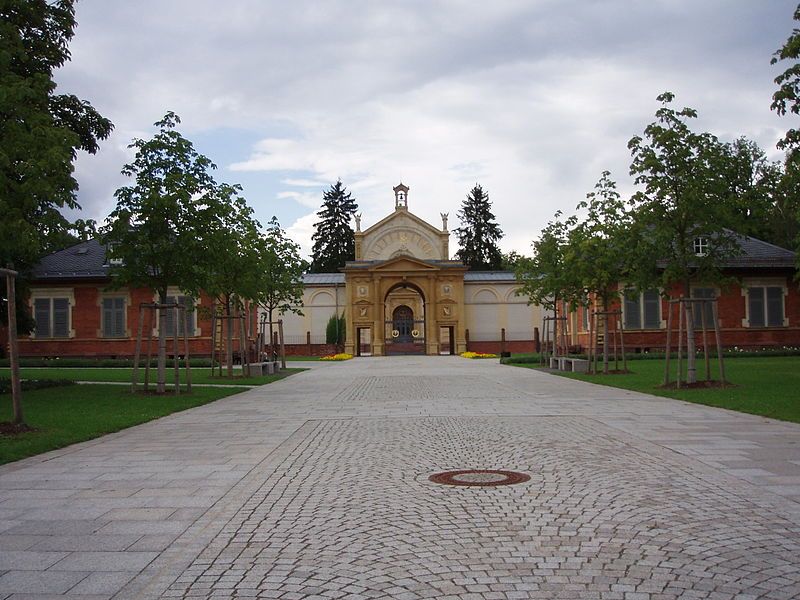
(362, 290)
(447, 289)
(447, 311)
(363, 311)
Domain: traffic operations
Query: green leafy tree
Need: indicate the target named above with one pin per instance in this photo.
(787, 97)
(599, 246)
(548, 278)
(281, 275)
(754, 186)
(40, 134)
(230, 242)
(479, 233)
(684, 198)
(334, 238)
(159, 227)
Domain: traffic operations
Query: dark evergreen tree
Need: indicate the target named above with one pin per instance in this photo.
(479, 233)
(334, 239)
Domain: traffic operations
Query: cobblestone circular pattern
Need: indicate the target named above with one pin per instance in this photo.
(479, 477)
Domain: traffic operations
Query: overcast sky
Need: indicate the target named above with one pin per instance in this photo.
(532, 99)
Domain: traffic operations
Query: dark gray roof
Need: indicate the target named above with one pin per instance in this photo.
(499, 276)
(86, 260)
(323, 278)
(758, 253)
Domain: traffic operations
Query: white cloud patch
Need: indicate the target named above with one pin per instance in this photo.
(530, 99)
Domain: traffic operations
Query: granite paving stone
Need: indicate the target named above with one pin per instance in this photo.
(317, 487)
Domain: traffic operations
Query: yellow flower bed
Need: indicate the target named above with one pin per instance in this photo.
(340, 356)
(478, 355)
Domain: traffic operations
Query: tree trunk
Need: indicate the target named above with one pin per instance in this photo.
(229, 337)
(272, 355)
(691, 350)
(605, 336)
(161, 378)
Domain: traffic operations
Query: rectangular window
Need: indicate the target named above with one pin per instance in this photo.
(633, 311)
(113, 317)
(585, 317)
(187, 302)
(698, 307)
(52, 317)
(766, 306)
(642, 310)
(651, 300)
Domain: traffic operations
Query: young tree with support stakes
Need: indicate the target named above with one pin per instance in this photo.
(549, 278)
(599, 246)
(231, 245)
(479, 233)
(41, 133)
(158, 230)
(281, 269)
(684, 208)
(334, 238)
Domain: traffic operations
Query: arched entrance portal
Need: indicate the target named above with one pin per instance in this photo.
(404, 307)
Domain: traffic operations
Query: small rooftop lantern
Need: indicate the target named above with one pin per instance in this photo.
(401, 196)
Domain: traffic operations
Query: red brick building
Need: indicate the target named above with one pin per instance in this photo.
(77, 314)
(759, 308)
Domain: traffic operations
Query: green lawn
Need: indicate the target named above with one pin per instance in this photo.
(199, 375)
(75, 413)
(763, 386)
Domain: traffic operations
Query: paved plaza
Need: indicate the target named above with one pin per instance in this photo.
(317, 487)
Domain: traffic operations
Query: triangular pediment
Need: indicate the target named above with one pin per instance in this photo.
(404, 263)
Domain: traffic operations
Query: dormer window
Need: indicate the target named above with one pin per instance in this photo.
(700, 246)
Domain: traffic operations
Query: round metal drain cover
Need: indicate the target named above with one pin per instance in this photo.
(479, 477)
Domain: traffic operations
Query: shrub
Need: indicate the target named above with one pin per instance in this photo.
(335, 330)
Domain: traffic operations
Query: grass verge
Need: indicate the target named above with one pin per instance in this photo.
(65, 415)
(123, 375)
(762, 386)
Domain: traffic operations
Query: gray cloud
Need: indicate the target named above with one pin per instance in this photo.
(532, 99)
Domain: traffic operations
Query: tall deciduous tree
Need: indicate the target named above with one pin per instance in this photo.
(281, 270)
(599, 247)
(479, 233)
(334, 238)
(684, 198)
(40, 132)
(754, 187)
(159, 228)
(787, 99)
(787, 96)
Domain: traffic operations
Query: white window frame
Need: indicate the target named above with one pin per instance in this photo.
(108, 295)
(50, 294)
(700, 245)
(717, 294)
(765, 282)
(661, 321)
(174, 291)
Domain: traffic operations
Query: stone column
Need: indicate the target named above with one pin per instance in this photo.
(432, 317)
(378, 329)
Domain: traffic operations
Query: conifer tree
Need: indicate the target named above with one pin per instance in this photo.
(479, 233)
(334, 239)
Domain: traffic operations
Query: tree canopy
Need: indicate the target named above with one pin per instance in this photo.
(334, 238)
(40, 133)
(479, 232)
(683, 197)
(787, 97)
